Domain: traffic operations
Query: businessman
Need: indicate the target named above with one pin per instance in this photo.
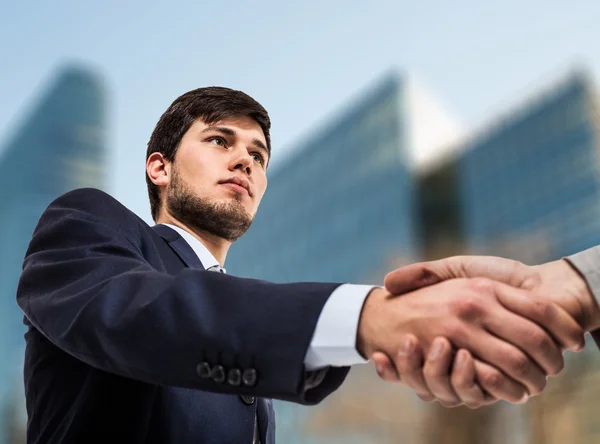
(436, 374)
(138, 334)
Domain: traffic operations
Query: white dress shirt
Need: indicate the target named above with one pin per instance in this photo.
(334, 340)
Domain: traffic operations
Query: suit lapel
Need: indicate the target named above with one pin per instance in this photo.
(179, 246)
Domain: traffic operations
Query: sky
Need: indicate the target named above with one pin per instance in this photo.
(304, 61)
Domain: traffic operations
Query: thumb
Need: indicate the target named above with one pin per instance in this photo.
(419, 275)
(411, 278)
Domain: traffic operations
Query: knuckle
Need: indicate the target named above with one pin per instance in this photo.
(541, 341)
(520, 365)
(466, 306)
(481, 285)
(531, 276)
(456, 332)
(492, 379)
(543, 309)
(538, 387)
(558, 365)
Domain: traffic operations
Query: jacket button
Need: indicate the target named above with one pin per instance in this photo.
(218, 373)
(249, 377)
(248, 400)
(234, 377)
(204, 370)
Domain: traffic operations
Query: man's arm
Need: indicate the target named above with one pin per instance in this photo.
(87, 287)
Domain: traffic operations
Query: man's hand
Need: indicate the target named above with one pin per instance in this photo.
(453, 385)
(435, 368)
(556, 281)
(501, 325)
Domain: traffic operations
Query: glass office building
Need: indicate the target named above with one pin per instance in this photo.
(342, 205)
(59, 146)
(529, 185)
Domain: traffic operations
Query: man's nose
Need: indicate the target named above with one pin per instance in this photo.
(242, 161)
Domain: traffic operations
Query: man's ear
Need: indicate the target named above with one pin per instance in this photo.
(158, 169)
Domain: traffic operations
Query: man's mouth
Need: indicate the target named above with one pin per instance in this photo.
(238, 185)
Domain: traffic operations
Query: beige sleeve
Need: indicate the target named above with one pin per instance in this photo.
(587, 262)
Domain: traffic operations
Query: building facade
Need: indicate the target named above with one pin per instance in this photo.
(529, 185)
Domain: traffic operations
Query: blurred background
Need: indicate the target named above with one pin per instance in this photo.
(402, 131)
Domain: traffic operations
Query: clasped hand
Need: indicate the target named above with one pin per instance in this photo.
(473, 330)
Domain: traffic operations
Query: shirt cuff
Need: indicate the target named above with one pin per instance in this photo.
(334, 340)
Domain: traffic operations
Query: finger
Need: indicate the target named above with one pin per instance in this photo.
(464, 382)
(436, 372)
(508, 358)
(410, 278)
(565, 330)
(498, 385)
(409, 365)
(385, 368)
(517, 328)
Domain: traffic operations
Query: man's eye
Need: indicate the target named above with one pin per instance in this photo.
(218, 141)
(259, 158)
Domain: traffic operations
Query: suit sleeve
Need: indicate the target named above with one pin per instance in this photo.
(587, 262)
(86, 286)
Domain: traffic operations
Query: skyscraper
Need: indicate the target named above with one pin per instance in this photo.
(59, 146)
(529, 185)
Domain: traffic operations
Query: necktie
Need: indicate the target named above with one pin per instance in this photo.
(256, 439)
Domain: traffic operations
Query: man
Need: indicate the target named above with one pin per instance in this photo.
(573, 283)
(136, 334)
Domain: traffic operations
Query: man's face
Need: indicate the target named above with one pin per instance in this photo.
(218, 177)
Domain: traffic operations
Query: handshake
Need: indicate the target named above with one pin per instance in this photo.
(473, 330)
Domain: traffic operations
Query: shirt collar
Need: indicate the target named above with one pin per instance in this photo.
(205, 256)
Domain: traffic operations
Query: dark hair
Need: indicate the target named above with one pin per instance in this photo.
(210, 104)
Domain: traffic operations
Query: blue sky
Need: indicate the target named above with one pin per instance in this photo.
(302, 60)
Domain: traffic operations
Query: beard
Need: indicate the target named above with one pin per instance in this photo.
(227, 220)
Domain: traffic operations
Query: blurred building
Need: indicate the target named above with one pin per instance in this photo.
(525, 187)
(529, 185)
(59, 146)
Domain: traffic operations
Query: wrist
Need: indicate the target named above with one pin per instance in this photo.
(589, 305)
(366, 325)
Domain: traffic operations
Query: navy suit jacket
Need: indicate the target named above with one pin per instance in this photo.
(130, 340)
